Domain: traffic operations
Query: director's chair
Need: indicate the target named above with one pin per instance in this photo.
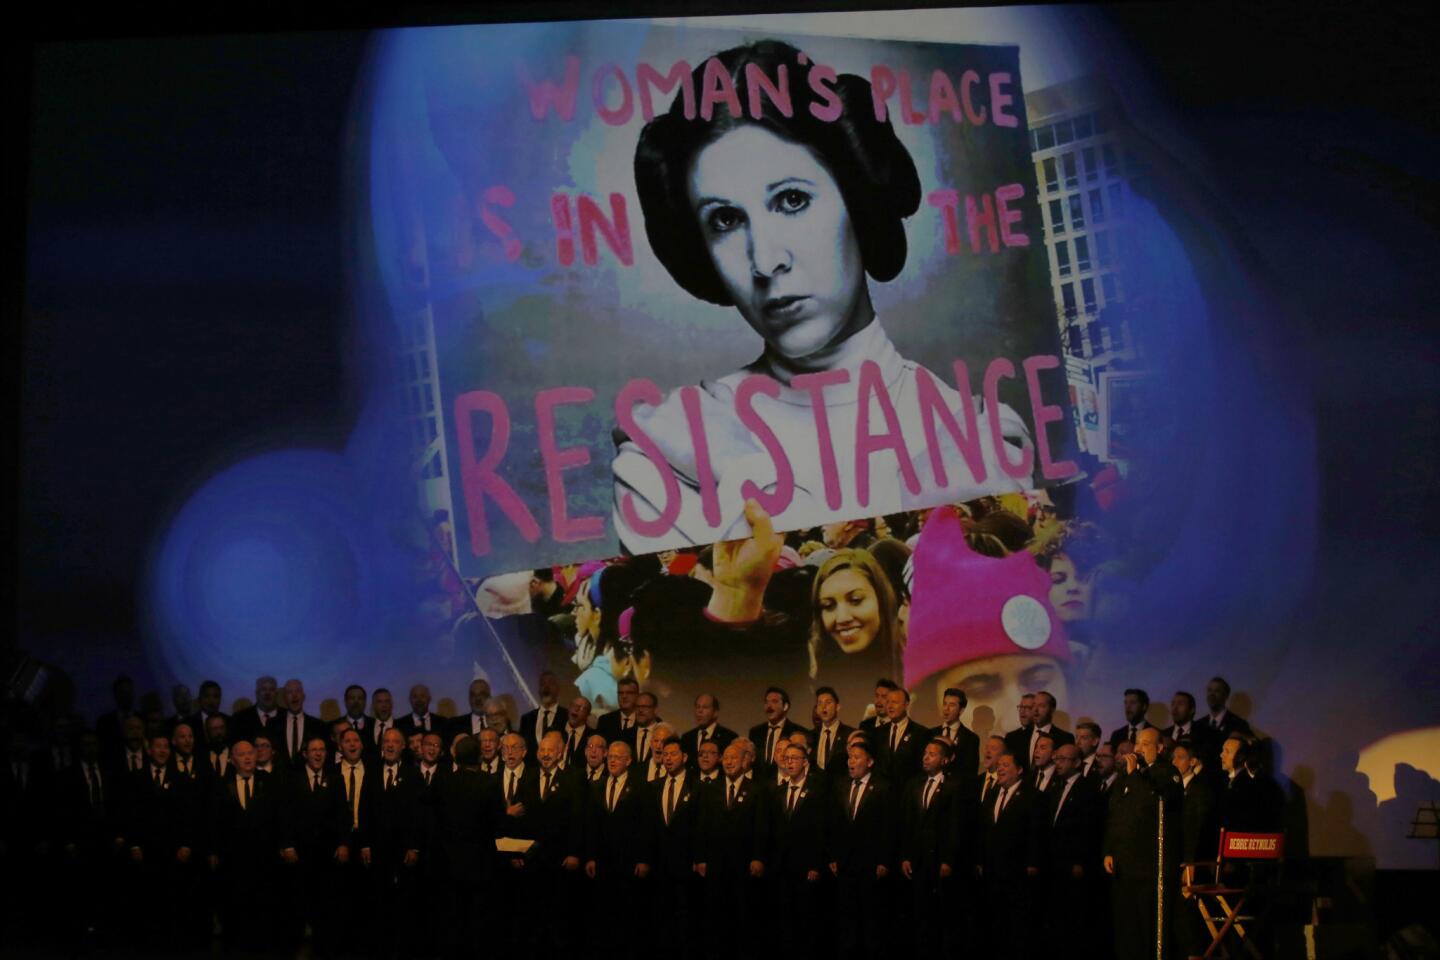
(1222, 901)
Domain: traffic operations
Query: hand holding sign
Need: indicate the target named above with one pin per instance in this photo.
(743, 569)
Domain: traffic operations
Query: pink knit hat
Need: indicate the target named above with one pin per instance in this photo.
(967, 606)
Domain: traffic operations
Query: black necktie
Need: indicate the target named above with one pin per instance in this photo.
(427, 777)
(610, 805)
(824, 748)
(790, 806)
(734, 789)
(315, 781)
(510, 793)
(134, 761)
(670, 800)
(546, 791)
(854, 796)
(389, 777)
(894, 737)
(248, 795)
(644, 736)
(294, 734)
(155, 775)
(929, 793)
(770, 739)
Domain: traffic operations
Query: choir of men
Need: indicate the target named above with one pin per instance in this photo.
(422, 836)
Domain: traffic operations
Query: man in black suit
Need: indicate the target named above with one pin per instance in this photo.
(731, 847)
(130, 756)
(964, 743)
(861, 850)
(490, 762)
(575, 732)
(989, 775)
(382, 705)
(355, 701)
(473, 721)
(108, 725)
(1023, 709)
(1199, 836)
(1250, 802)
(268, 765)
(618, 850)
(1220, 720)
(419, 718)
(707, 727)
(297, 726)
(207, 702)
(777, 727)
(187, 765)
(215, 758)
(159, 839)
(1042, 764)
(673, 809)
(882, 697)
(520, 790)
(1042, 720)
(618, 723)
(1012, 846)
(900, 743)
(544, 718)
(396, 830)
(263, 716)
(642, 736)
(831, 735)
(1132, 845)
(359, 783)
(314, 823)
(1074, 847)
(244, 849)
(799, 813)
(559, 838)
(1137, 701)
(653, 769)
(466, 824)
(930, 821)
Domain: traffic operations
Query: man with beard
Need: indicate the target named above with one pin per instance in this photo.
(1136, 703)
(777, 728)
(544, 718)
(473, 722)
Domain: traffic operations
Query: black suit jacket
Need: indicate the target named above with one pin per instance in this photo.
(1200, 824)
(527, 792)
(618, 840)
(528, 724)
(407, 724)
(467, 821)
(608, 726)
(797, 838)
(966, 750)
(461, 724)
(758, 736)
(1121, 734)
(722, 737)
(1018, 742)
(396, 816)
(858, 844)
(1075, 826)
(314, 820)
(932, 836)
(1016, 840)
(835, 756)
(899, 765)
(675, 842)
(557, 820)
(158, 819)
(575, 757)
(732, 834)
(246, 839)
(309, 727)
(246, 724)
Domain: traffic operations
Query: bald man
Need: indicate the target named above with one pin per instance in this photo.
(1147, 788)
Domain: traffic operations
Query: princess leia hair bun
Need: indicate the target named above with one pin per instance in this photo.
(874, 171)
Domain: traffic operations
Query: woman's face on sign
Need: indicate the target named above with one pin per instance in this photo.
(1069, 591)
(849, 610)
(781, 239)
